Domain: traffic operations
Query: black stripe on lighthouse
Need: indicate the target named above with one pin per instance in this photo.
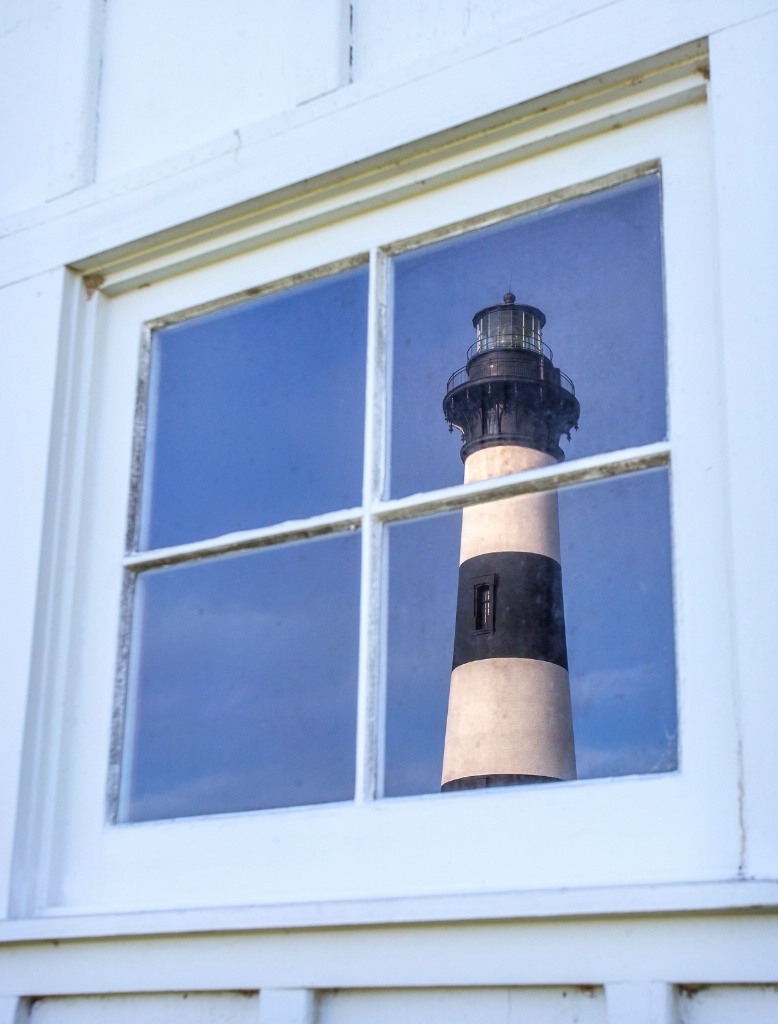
(526, 611)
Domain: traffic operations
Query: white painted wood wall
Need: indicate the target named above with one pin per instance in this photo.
(134, 133)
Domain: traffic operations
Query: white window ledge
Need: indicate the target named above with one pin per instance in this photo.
(730, 895)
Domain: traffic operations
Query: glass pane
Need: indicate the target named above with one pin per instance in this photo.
(609, 622)
(243, 682)
(256, 413)
(593, 267)
(423, 568)
(617, 572)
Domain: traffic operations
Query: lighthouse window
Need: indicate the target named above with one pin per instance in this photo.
(483, 605)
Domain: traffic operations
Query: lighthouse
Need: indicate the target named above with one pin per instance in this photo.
(509, 714)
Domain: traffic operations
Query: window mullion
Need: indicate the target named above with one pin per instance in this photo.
(372, 606)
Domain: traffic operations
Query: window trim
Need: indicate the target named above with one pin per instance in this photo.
(66, 879)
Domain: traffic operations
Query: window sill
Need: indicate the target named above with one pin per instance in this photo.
(726, 895)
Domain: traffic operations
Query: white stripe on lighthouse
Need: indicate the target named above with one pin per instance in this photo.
(509, 716)
(529, 522)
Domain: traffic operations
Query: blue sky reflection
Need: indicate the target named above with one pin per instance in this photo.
(244, 688)
(256, 413)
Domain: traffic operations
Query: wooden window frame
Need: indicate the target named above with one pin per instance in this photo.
(585, 833)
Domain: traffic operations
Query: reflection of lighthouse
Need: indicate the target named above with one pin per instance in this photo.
(509, 715)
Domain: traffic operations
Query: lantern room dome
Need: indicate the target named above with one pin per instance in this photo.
(508, 325)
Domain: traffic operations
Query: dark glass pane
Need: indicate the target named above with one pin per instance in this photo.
(243, 682)
(618, 614)
(594, 267)
(256, 413)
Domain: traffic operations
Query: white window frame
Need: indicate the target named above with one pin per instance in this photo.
(638, 829)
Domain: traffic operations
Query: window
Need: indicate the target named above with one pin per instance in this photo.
(242, 692)
(483, 605)
(369, 550)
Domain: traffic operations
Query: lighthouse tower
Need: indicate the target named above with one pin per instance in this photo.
(509, 715)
